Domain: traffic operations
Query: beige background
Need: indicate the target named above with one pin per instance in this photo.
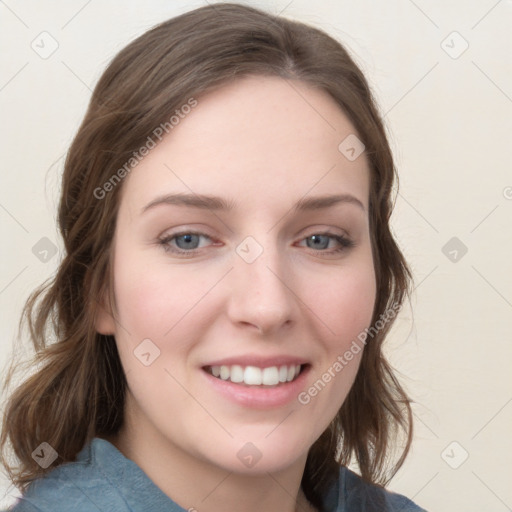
(448, 110)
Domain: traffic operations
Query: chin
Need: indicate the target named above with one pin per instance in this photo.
(262, 455)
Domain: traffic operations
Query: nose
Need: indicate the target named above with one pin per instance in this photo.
(262, 295)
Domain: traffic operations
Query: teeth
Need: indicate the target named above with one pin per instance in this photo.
(224, 372)
(270, 376)
(254, 376)
(236, 373)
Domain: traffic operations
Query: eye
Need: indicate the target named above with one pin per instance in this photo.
(183, 243)
(322, 241)
(188, 243)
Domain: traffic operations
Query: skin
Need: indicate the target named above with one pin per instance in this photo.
(262, 145)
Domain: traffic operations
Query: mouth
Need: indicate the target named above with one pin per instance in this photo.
(254, 376)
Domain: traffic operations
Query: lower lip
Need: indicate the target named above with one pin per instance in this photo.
(259, 397)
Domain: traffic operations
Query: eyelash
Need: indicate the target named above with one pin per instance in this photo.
(344, 242)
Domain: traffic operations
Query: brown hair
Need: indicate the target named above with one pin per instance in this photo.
(78, 390)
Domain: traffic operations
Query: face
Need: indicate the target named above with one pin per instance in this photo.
(243, 272)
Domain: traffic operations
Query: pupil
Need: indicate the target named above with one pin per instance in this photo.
(317, 241)
(187, 239)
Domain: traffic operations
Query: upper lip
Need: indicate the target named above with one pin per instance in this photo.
(258, 361)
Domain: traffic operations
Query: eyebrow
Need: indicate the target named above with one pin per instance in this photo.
(208, 202)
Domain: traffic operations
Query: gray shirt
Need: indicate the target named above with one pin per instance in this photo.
(102, 479)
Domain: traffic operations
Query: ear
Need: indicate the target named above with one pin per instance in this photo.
(104, 320)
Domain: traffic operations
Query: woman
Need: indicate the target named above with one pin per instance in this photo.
(228, 281)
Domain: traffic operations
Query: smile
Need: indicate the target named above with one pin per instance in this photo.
(270, 376)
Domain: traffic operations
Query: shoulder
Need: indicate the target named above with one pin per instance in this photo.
(82, 485)
(353, 494)
(101, 478)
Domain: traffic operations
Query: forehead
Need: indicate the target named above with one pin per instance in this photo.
(255, 138)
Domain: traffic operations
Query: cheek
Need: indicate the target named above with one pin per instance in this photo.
(156, 302)
(344, 302)
(344, 310)
(152, 299)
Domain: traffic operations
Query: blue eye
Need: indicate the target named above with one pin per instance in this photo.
(182, 243)
(318, 241)
(321, 241)
(188, 243)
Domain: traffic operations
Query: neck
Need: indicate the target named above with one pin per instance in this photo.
(197, 486)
